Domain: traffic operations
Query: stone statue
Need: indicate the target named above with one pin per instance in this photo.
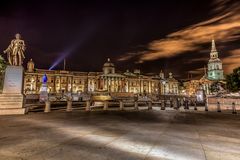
(15, 51)
(30, 66)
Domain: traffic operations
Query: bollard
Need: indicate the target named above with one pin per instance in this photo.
(186, 104)
(136, 105)
(121, 105)
(87, 106)
(195, 105)
(163, 105)
(218, 107)
(47, 106)
(175, 104)
(171, 103)
(178, 104)
(206, 105)
(69, 106)
(149, 105)
(105, 106)
(234, 111)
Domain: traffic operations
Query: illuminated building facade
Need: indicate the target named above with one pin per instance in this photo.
(215, 70)
(213, 73)
(108, 80)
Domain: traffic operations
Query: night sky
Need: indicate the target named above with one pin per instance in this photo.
(171, 35)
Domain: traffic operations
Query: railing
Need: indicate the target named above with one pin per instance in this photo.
(216, 105)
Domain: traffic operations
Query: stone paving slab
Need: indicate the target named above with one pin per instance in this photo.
(120, 135)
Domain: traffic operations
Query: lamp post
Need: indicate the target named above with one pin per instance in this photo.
(164, 91)
(44, 89)
(164, 86)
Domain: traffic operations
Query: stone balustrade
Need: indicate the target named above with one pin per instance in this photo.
(216, 104)
(223, 104)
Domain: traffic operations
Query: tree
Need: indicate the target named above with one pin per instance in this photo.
(3, 65)
(217, 87)
(233, 80)
(214, 87)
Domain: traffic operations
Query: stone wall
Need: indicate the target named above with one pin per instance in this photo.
(226, 103)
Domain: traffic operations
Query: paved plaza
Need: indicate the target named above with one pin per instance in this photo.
(116, 135)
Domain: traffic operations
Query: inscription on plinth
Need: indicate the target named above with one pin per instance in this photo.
(11, 101)
(13, 81)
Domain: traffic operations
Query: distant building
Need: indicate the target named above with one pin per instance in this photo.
(212, 74)
(108, 80)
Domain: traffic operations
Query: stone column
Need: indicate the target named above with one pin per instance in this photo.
(121, 105)
(67, 84)
(104, 83)
(149, 86)
(60, 83)
(47, 106)
(105, 106)
(54, 84)
(71, 85)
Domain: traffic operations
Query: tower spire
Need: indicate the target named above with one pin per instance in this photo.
(214, 52)
(213, 46)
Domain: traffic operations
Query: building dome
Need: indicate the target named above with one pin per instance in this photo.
(108, 63)
(108, 67)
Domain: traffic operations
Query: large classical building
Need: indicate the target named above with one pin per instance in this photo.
(108, 80)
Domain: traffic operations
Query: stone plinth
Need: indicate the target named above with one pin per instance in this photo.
(12, 99)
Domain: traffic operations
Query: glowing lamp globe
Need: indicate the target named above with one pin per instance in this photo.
(44, 79)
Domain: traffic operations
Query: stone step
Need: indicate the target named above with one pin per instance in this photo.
(12, 111)
(11, 99)
(4, 105)
(12, 94)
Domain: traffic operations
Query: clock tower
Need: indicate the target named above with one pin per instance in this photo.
(215, 70)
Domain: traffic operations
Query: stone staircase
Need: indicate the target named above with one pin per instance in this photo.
(11, 104)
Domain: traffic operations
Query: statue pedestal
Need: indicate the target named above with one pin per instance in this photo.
(12, 99)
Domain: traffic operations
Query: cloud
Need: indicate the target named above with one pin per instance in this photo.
(232, 61)
(224, 26)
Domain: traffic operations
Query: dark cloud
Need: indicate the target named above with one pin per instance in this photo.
(151, 35)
